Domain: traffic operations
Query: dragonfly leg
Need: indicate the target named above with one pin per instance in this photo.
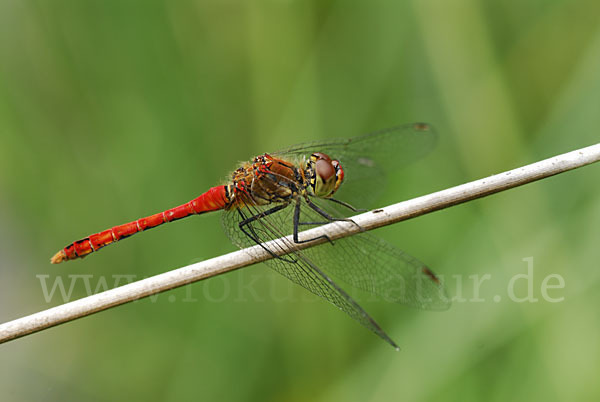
(325, 214)
(298, 223)
(329, 217)
(345, 204)
(246, 223)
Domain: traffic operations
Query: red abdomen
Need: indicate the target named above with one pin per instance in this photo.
(214, 199)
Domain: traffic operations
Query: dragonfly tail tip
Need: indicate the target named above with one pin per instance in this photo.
(58, 257)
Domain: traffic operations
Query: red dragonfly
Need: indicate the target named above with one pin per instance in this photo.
(276, 194)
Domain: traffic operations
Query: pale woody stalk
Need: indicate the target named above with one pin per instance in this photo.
(367, 221)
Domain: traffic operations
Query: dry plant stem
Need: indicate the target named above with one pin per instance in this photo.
(367, 221)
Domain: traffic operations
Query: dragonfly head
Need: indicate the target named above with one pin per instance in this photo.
(324, 174)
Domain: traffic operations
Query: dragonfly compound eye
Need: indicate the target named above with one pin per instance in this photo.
(325, 174)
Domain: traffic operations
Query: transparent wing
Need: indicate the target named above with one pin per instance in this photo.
(296, 266)
(368, 159)
(371, 264)
(363, 261)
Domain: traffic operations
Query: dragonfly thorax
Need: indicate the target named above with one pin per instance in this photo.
(325, 175)
(265, 180)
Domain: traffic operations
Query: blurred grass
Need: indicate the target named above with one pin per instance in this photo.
(118, 109)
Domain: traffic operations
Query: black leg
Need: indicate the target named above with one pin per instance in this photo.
(313, 223)
(297, 223)
(323, 213)
(345, 204)
(327, 216)
(245, 223)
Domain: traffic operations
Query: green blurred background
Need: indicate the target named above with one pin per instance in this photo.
(112, 110)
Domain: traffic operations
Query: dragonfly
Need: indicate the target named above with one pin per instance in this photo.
(277, 194)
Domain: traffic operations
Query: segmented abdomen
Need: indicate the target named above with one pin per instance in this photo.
(214, 199)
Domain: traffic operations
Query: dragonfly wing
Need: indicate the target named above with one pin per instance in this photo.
(371, 264)
(368, 159)
(296, 266)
